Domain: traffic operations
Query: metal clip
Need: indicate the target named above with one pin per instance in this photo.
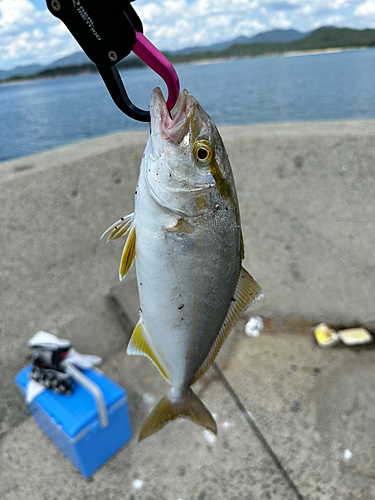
(107, 35)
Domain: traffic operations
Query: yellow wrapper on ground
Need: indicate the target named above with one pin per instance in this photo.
(325, 336)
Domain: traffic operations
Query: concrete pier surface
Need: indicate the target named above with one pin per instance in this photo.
(306, 194)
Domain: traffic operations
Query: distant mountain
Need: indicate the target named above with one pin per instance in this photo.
(79, 58)
(278, 36)
(20, 71)
(216, 47)
(319, 39)
(330, 36)
(263, 44)
(75, 59)
(274, 36)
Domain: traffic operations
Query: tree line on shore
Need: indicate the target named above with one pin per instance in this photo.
(319, 39)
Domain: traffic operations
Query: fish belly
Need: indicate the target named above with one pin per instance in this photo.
(186, 283)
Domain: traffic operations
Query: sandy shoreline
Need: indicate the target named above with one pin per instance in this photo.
(334, 50)
(294, 53)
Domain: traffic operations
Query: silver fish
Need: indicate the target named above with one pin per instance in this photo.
(185, 236)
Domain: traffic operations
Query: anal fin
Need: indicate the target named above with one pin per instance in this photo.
(247, 291)
(138, 345)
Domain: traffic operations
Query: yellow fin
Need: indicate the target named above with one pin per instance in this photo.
(119, 228)
(242, 247)
(138, 345)
(128, 254)
(189, 406)
(119, 232)
(247, 291)
(181, 226)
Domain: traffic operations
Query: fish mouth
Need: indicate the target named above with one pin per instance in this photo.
(173, 125)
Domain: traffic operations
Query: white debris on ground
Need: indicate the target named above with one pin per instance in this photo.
(355, 336)
(137, 484)
(347, 455)
(148, 399)
(210, 437)
(328, 337)
(227, 425)
(249, 414)
(254, 326)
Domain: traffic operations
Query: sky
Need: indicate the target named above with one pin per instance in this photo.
(30, 34)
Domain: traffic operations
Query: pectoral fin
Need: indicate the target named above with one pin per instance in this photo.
(189, 406)
(181, 226)
(138, 345)
(128, 254)
(119, 228)
(247, 291)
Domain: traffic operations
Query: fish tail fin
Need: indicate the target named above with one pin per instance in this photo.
(168, 409)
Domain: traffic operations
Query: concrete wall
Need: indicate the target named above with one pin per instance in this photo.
(306, 195)
(54, 272)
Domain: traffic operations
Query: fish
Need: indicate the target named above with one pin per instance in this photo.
(186, 240)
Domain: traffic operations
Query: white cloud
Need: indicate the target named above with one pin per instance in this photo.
(38, 34)
(365, 9)
(29, 35)
(16, 14)
(248, 28)
(330, 21)
(59, 30)
(175, 24)
(323, 6)
(279, 20)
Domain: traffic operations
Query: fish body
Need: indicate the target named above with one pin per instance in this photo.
(185, 236)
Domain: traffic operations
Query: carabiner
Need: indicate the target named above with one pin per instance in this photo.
(108, 32)
(150, 55)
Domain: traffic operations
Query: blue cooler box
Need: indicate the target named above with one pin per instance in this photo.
(72, 422)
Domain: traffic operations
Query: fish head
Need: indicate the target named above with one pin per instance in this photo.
(187, 169)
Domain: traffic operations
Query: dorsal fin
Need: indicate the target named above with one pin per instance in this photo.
(247, 291)
(138, 345)
(128, 254)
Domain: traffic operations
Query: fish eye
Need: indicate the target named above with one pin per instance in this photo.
(202, 154)
(203, 151)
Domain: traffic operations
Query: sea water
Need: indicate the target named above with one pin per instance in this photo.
(39, 115)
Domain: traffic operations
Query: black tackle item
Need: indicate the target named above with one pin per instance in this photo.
(48, 367)
(106, 32)
(105, 29)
